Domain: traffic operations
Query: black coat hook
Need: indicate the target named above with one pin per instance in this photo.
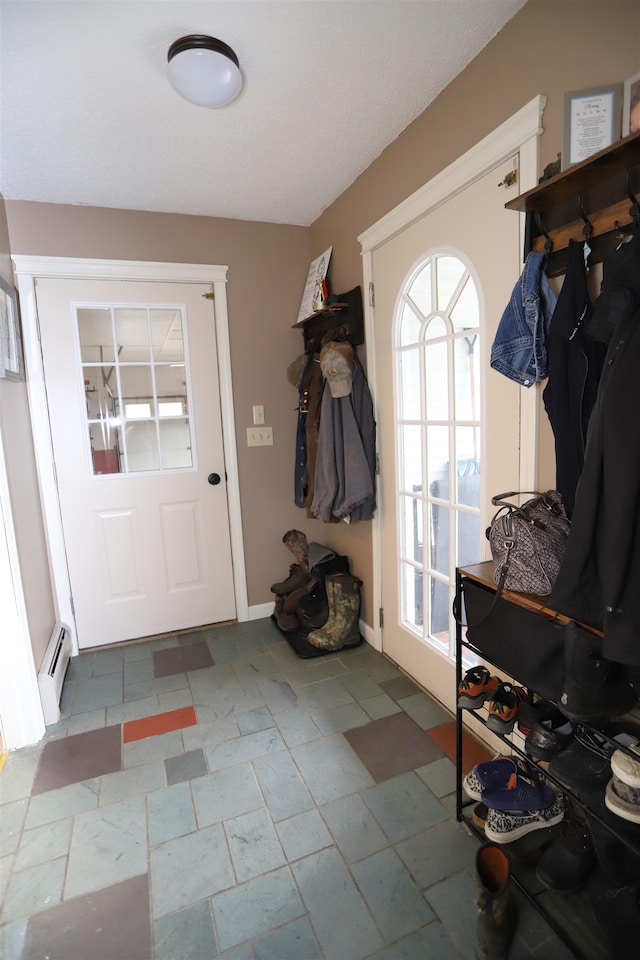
(634, 211)
(588, 229)
(548, 246)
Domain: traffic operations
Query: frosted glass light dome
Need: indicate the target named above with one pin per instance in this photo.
(204, 70)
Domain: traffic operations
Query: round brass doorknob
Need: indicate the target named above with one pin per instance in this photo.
(214, 479)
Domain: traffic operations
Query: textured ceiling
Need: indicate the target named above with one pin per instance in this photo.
(87, 115)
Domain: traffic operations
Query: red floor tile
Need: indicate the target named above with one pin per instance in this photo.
(159, 723)
(472, 751)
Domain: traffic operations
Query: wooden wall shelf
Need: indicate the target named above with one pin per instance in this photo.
(601, 189)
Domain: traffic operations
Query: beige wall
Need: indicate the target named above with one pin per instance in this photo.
(549, 47)
(15, 432)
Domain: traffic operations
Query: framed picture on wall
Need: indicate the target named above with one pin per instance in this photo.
(631, 105)
(11, 366)
(591, 122)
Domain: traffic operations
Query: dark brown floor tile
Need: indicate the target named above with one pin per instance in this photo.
(181, 659)
(472, 751)
(103, 925)
(79, 757)
(391, 746)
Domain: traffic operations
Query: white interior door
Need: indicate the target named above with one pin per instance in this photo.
(449, 425)
(132, 386)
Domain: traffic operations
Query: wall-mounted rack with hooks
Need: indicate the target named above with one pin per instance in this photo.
(341, 320)
(596, 199)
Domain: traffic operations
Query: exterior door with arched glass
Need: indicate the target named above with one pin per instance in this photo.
(449, 426)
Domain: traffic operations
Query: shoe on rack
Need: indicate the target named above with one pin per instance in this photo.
(520, 793)
(504, 707)
(297, 578)
(586, 762)
(546, 739)
(566, 863)
(503, 827)
(495, 773)
(623, 800)
(594, 689)
(476, 686)
(625, 767)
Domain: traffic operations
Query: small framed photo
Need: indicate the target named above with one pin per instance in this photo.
(631, 105)
(11, 366)
(591, 121)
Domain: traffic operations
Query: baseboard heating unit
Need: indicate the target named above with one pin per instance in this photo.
(51, 673)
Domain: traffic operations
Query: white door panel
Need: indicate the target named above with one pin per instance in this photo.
(475, 228)
(135, 438)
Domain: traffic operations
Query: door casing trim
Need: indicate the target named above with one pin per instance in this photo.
(28, 269)
(519, 134)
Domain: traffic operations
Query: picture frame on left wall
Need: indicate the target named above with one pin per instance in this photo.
(11, 362)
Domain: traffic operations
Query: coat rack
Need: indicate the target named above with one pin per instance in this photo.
(597, 199)
(341, 320)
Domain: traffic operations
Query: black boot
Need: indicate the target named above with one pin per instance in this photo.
(567, 862)
(594, 689)
(496, 923)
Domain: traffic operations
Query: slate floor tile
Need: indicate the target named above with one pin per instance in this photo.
(330, 768)
(113, 922)
(254, 845)
(402, 806)
(256, 907)
(186, 766)
(80, 757)
(187, 934)
(108, 845)
(329, 893)
(189, 869)
(294, 941)
(303, 834)
(392, 897)
(354, 827)
(181, 659)
(392, 745)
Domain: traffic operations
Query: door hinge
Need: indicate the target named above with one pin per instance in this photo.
(209, 296)
(72, 605)
(55, 472)
(509, 179)
(372, 295)
(381, 617)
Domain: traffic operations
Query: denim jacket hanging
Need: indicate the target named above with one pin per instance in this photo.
(519, 347)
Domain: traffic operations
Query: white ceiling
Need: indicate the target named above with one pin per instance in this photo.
(87, 115)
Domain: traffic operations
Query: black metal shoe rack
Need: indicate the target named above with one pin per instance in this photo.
(569, 915)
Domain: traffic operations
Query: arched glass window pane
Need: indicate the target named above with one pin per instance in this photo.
(450, 271)
(409, 326)
(467, 378)
(420, 291)
(410, 380)
(465, 314)
(437, 381)
(436, 328)
(411, 458)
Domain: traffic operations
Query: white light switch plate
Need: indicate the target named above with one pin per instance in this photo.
(259, 436)
(258, 415)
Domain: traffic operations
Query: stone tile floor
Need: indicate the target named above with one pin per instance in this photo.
(213, 795)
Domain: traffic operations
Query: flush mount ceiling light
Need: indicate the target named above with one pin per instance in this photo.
(204, 70)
